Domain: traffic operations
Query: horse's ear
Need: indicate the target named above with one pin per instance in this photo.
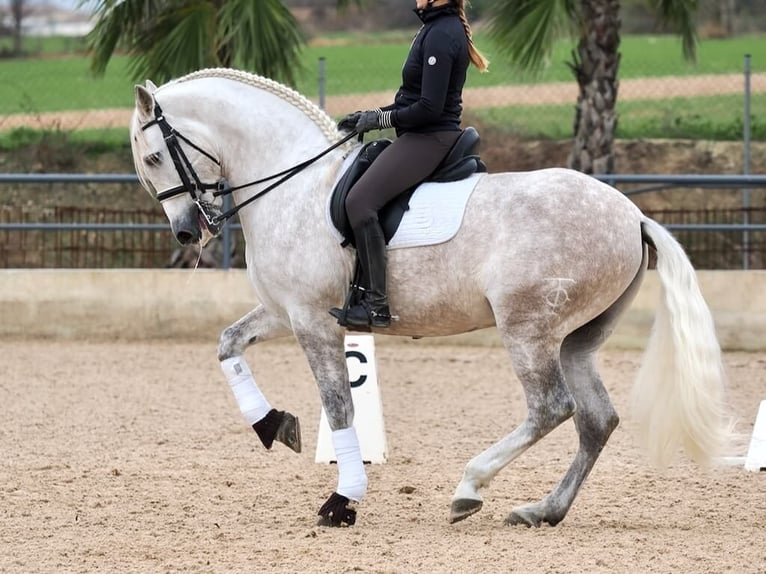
(144, 102)
(151, 86)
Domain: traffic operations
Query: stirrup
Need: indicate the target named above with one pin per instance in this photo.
(353, 298)
(363, 314)
(340, 315)
(372, 317)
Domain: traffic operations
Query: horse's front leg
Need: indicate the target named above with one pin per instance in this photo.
(268, 423)
(322, 343)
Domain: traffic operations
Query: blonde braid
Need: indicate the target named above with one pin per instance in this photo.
(477, 58)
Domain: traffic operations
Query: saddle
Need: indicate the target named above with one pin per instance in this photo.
(460, 162)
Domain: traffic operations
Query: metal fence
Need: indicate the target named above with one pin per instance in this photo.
(714, 103)
(679, 106)
(72, 237)
(75, 237)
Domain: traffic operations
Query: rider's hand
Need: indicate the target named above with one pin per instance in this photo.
(368, 120)
(348, 123)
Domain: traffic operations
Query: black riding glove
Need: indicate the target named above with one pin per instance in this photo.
(348, 123)
(368, 120)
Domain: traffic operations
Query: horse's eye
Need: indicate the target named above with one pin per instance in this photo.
(153, 159)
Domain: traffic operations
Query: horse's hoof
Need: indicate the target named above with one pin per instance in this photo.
(289, 432)
(281, 426)
(524, 517)
(462, 508)
(337, 511)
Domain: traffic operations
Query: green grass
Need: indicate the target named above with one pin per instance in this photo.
(45, 45)
(364, 67)
(65, 83)
(714, 117)
(90, 141)
(363, 63)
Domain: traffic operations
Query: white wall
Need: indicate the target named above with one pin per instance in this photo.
(186, 305)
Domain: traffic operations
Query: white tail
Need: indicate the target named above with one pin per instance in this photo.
(678, 398)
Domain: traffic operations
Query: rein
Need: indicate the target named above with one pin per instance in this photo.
(288, 173)
(191, 183)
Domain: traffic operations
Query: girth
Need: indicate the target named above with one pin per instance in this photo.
(460, 162)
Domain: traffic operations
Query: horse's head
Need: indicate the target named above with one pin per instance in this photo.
(175, 164)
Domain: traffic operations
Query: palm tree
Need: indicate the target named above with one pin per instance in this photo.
(168, 38)
(525, 31)
(18, 11)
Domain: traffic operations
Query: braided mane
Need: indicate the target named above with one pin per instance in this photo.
(317, 115)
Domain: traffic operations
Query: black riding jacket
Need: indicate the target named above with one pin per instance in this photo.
(430, 97)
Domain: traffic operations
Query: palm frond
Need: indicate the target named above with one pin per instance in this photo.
(679, 15)
(264, 35)
(117, 21)
(525, 30)
(178, 41)
(168, 38)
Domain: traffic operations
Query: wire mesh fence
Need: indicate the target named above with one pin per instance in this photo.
(78, 246)
(713, 249)
(138, 247)
(659, 94)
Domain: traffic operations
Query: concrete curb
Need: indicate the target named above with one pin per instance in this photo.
(87, 304)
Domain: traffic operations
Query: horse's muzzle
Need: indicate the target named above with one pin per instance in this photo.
(187, 237)
(187, 229)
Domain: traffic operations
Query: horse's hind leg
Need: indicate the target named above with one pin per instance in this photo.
(549, 403)
(268, 423)
(594, 420)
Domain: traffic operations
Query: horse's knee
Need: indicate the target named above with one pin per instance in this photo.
(225, 348)
(231, 342)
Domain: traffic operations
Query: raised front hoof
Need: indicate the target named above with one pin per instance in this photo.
(280, 426)
(462, 508)
(337, 511)
(289, 432)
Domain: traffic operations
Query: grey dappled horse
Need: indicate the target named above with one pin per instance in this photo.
(552, 258)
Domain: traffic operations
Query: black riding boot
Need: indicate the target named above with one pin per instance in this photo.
(372, 308)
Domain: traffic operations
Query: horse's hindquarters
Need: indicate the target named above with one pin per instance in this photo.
(553, 247)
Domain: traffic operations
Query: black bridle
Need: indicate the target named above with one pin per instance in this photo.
(192, 184)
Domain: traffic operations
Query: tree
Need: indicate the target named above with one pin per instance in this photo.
(525, 31)
(168, 38)
(17, 13)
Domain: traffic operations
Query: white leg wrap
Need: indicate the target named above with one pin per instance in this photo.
(352, 478)
(252, 404)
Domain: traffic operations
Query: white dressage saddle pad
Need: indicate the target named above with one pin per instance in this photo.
(435, 213)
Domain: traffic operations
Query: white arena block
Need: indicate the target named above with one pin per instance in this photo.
(756, 454)
(368, 407)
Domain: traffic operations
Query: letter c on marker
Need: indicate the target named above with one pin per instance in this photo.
(362, 359)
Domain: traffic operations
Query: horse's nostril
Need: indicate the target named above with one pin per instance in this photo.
(184, 237)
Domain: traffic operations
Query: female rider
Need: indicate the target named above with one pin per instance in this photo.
(426, 115)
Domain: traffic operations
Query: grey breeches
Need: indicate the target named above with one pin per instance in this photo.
(407, 161)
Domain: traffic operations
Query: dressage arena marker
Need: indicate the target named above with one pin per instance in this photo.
(756, 454)
(755, 460)
(368, 407)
